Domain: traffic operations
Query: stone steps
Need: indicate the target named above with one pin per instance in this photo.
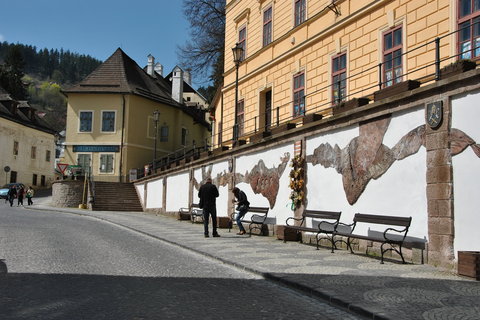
(115, 196)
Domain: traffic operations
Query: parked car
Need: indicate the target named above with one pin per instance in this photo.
(5, 188)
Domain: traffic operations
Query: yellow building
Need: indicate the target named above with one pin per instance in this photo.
(28, 145)
(110, 118)
(306, 56)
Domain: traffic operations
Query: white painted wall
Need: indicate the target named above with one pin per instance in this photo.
(155, 194)
(272, 159)
(466, 175)
(177, 192)
(400, 191)
(140, 192)
(222, 200)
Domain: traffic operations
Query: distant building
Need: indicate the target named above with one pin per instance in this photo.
(110, 118)
(28, 144)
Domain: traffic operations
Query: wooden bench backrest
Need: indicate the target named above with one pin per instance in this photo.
(195, 206)
(258, 209)
(379, 219)
(320, 214)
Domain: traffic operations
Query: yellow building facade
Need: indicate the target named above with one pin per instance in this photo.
(306, 56)
(111, 125)
(28, 145)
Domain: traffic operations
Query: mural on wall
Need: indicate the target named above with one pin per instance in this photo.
(263, 180)
(366, 157)
(459, 141)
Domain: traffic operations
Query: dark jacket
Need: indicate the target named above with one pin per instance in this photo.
(242, 200)
(208, 194)
(12, 192)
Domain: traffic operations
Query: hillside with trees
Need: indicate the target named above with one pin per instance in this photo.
(38, 75)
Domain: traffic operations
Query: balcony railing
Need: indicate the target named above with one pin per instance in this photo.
(317, 102)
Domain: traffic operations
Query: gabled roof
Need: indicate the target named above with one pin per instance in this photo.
(21, 112)
(121, 74)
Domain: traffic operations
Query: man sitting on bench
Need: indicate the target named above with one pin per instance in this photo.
(242, 208)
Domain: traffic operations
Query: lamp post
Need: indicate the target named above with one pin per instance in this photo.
(237, 58)
(156, 115)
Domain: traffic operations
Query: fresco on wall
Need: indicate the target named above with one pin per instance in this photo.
(263, 180)
(366, 157)
(459, 141)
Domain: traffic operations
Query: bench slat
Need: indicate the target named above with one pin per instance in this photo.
(320, 214)
(379, 219)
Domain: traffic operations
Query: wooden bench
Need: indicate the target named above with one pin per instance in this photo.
(190, 213)
(257, 220)
(326, 226)
(195, 212)
(386, 237)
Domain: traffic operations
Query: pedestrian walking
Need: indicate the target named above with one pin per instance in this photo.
(20, 194)
(242, 208)
(12, 194)
(30, 193)
(208, 194)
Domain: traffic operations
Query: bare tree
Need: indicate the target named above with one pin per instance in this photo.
(203, 52)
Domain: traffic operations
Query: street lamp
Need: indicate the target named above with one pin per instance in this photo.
(156, 115)
(237, 58)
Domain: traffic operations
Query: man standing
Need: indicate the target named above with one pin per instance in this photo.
(208, 194)
(11, 195)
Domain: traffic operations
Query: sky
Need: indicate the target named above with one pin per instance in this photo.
(98, 28)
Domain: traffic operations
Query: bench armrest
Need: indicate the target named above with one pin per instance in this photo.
(257, 218)
(404, 231)
(184, 210)
(294, 219)
(333, 224)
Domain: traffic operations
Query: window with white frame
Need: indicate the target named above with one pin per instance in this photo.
(86, 119)
(299, 94)
(339, 77)
(242, 41)
(184, 137)
(106, 163)
(164, 133)
(108, 121)
(392, 56)
(267, 26)
(300, 11)
(469, 29)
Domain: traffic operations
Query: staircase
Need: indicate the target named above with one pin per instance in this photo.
(116, 196)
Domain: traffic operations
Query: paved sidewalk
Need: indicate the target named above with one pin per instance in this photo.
(358, 283)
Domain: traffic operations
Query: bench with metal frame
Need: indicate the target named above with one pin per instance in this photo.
(326, 226)
(394, 242)
(257, 220)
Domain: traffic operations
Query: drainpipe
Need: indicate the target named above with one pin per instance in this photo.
(121, 139)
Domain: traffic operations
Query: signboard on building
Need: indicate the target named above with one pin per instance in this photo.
(94, 148)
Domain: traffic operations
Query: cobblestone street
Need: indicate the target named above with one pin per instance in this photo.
(64, 266)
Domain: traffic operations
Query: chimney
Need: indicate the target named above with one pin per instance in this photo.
(177, 85)
(158, 68)
(188, 77)
(151, 62)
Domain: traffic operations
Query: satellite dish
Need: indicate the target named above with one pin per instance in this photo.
(6, 169)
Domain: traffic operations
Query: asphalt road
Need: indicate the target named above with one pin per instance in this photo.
(64, 266)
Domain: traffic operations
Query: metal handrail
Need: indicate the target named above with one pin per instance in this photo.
(436, 62)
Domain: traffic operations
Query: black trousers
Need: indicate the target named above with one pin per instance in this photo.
(207, 212)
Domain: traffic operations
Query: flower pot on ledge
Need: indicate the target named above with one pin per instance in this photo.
(396, 89)
(219, 150)
(469, 264)
(259, 136)
(349, 105)
(283, 127)
(311, 117)
(457, 68)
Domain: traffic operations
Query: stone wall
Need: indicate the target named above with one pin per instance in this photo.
(67, 194)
